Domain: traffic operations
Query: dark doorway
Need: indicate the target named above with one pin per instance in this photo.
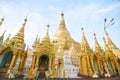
(5, 59)
(43, 62)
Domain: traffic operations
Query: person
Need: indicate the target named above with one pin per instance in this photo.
(11, 74)
(36, 72)
(47, 74)
(95, 75)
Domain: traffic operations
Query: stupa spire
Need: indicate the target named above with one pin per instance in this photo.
(2, 37)
(1, 21)
(85, 46)
(62, 22)
(110, 42)
(3, 34)
(84, 40)
(97, 45)
(62, 29)
(46, 38)
(21, 31)
(105, 44)
(23, 26)
(19, 37)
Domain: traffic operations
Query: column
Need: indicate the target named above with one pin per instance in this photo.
(13, 61)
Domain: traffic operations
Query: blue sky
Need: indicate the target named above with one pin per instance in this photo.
(89, 14)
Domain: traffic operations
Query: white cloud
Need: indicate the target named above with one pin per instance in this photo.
(109, 8)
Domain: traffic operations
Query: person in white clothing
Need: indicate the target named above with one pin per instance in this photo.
(11, 74)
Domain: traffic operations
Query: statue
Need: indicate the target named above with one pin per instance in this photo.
(95, 75)
(11, 74)
(47, 75)
(36, 73)
(107, 71)
(43, 64)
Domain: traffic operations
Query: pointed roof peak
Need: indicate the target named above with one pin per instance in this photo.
(1, 21)
(83, 35)
(110, 42)
(62, 29)
(82, 31)
(104, 39)
(20, 34)
(47, 30)
(3, 34)
(62, 14)
(95, 37)
(23, 25)
(84, 41)
(46, 37)
(82, 28)
(94, 34)
(97, 45)
(105, 44)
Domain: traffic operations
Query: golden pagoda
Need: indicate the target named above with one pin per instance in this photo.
(63, 35)
(48, 55)
(43, 57)
(100, 57)
(13, 55)
(111, 61)
(86, 58)
(112, 46)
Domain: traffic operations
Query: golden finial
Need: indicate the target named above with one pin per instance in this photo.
(48, 25)
(25, 19)
(82, 28)
(95, 38)
(47, 32)
(1, 21)
(104, 41)
(62, 14)
(46, 37)
(84, 41)
(3, 34)
(105, 44)
(97, 46)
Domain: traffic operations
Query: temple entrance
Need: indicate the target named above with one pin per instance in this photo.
(43, 65)
(5, 59)
(43, 62)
